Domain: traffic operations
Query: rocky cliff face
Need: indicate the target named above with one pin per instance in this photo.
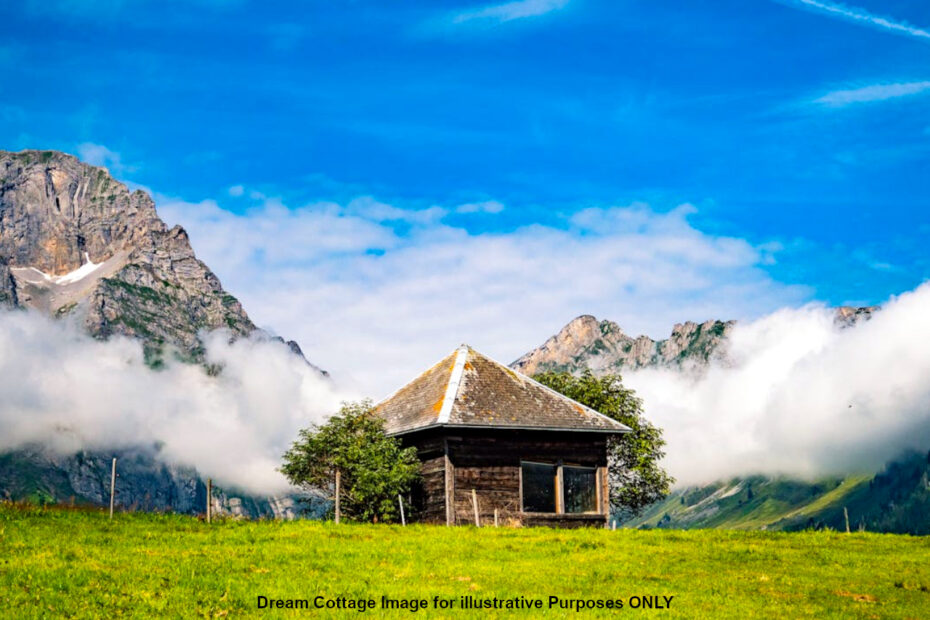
(74, 241)
(79, 242)
(143, 483)
(850, 316)
(56, 209)
(603, 347)
(8, 296)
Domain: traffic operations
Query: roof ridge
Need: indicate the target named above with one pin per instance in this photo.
(554, 392)
(404, 386)
(452, 388)
(468, 389)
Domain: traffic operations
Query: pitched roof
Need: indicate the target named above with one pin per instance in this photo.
(468, 389)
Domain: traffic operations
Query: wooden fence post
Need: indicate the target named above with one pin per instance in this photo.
(474, 500)
(209, 500)
(846, 516)
(112, 486)
(495, 517)
(337, 496)
(400, 502)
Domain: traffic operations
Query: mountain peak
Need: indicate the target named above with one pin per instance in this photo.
(580, 326)
(603, 347)
(75, 241)
(56, 209)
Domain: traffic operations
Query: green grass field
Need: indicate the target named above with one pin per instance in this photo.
(65, 563)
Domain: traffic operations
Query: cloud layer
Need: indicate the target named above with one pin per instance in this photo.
(800, 396)
(378, 293)
(66, 390)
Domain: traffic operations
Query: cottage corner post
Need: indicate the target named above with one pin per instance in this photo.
(449, 484)
(603, 490)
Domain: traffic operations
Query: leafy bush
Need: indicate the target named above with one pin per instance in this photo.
(373, 467)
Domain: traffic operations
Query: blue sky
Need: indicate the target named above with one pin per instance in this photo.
(798, 128)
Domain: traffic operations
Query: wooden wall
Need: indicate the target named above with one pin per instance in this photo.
(432, 504)
(429, 498)
(488, 462)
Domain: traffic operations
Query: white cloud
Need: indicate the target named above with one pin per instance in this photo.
(872, 93)
(861, 16)
(69, 391)
(378, 293)
(489, 206)
(99, 155)
(373, 210)
(509, 11)
(489, 16)
(800, 396)
(236, 190)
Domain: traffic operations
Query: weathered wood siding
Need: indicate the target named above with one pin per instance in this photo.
(429, 498)
(432, 505)
(495, 487)
(488, 462)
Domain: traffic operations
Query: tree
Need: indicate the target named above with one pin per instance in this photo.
(635, 477)
(373, 467)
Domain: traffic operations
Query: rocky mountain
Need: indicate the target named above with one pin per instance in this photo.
(78, 242)
(894, 500)
(144, 483)
(603, 347)
(75, 242)
(8, 296)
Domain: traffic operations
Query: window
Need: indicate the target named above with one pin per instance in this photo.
(559, 489)
(538, 487)
(580, 485)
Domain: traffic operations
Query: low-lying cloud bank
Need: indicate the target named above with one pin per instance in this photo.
(797, 395)
(68, 391)
(378, 293)
(800, 396)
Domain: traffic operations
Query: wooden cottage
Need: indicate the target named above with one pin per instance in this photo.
(484, 431)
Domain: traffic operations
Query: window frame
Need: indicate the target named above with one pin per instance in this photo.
(559, 482)
(597, 492)
(555, 482)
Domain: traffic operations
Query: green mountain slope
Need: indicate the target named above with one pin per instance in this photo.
(895, 500)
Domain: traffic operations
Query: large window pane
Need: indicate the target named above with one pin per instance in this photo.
(538, 487)
(580, 485)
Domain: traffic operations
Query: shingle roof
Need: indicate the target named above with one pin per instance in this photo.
(467, 388)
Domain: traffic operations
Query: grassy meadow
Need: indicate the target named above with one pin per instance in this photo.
(71, 563)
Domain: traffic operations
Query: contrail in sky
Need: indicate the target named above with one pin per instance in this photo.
(861, 16)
